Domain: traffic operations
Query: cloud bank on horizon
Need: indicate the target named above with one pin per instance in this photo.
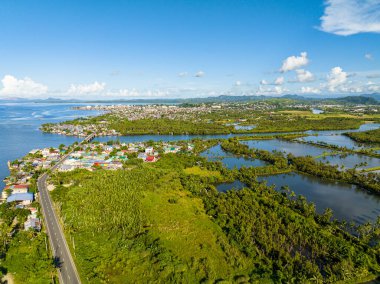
(308, 62)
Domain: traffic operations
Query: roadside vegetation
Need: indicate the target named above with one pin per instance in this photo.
(25, 255)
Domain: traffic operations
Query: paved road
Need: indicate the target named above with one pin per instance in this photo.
(66, 266)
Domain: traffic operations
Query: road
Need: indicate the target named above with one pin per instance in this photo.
(66, 266)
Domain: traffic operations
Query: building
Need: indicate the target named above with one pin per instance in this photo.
(19, 188)
(149, 150)
(32, 223)
(22, 198)
(150, 159)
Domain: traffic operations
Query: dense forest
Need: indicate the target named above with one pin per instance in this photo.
(165, 222)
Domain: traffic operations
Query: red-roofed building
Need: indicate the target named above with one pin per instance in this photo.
(150, 159)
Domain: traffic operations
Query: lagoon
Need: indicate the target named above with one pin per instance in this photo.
(347, 201)
(230, 161)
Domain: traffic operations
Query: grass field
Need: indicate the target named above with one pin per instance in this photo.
(202, 172)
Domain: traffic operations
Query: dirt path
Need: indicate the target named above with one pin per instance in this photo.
(8, 279)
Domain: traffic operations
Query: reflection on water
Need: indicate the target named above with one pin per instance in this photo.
(347, 201)
(297, 149)
(230, 161)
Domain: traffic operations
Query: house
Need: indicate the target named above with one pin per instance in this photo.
(142, 156)
(149, 150)
(32, 223)
(23, 198)
(19, 188)
(151, 159)
(66, 168)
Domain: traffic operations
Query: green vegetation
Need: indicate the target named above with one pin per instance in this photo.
(166, 223)
(25, 255)
(28, 259)
(371, 136)
(196, 170)
(302, 164)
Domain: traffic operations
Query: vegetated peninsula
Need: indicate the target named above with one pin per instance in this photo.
(371, 136)
(153, 211)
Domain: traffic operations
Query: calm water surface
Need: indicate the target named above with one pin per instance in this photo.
(297, 149)
(352, 160)
(347, 201)
(230, 161)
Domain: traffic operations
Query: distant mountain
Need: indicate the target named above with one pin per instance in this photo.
(362, 100)
(374, 96)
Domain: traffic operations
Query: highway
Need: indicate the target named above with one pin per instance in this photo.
(61, 252)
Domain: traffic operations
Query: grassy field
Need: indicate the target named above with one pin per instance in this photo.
(202, 172)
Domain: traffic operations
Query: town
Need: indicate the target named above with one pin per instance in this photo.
(223, 115)
(21, 189)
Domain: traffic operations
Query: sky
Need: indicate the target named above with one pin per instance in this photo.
(176, 49)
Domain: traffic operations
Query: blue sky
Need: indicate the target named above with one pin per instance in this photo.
(140, 49)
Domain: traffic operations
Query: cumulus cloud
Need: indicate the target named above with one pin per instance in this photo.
(83, 89)
(21, 87)
(304, 76)
(336, 78)
(264, 82)
(348, 17)
(237, 83)
(294, 62)
(310, 90)
(199, 74)
(279, 81)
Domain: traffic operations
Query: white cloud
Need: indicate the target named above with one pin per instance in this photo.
(182, 74)
(373, 87)
(304, 75)
(310, 90)
(276, 90)
(279, 81)
(133, 93)
(348, 17)
(264, 82)
(368, 56)
(337, 77)
(373, 75)
(199, 74)
(83, 89)
(294, 62)
(352, 89)
(21, 87)
(237, 83)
